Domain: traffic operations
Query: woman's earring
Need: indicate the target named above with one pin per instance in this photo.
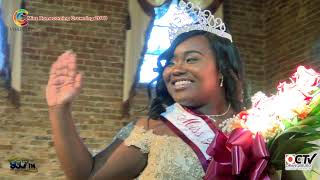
(221, 82)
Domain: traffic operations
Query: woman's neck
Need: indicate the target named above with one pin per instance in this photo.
(217, 106)
(218, 110)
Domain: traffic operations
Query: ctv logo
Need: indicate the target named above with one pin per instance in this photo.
(299, 161)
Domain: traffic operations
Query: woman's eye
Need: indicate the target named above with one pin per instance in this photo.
(170, 63)
(191, 60)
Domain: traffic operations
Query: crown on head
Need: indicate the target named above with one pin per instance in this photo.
(189, 17)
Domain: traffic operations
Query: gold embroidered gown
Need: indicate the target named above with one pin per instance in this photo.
(169, 158)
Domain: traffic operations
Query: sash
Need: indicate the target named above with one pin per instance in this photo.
(197, 132)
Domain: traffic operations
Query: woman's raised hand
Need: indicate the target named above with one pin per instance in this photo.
(65, 82)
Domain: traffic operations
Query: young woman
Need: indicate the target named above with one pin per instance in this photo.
(203, 74)
(198, 88)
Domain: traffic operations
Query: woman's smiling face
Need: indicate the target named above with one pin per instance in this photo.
(191, 76)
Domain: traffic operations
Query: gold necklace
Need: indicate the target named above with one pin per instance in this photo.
(218, 115)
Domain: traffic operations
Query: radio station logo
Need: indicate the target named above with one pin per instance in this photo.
(23, 165)
(299, 161)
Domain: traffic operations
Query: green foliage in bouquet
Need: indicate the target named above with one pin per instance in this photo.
(298, 135)
(294, 140)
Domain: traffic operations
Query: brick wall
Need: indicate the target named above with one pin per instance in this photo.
(26, 132)
(140, 103)
(274, 37)
(292, 38)
(246, 22)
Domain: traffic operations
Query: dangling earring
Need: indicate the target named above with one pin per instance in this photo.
(221, 82)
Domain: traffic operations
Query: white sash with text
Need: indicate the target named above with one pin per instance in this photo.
(193, 127)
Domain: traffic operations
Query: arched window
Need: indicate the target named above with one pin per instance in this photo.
(158, 41)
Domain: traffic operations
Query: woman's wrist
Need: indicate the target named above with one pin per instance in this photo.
(60, 113)
(59, 107)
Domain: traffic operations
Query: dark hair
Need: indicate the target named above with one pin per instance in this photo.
(228, 63)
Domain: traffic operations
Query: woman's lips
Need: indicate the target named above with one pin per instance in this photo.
(179, 85)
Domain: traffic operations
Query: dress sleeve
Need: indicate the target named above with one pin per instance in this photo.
(134, 135)
(124, 132)
(140, 138)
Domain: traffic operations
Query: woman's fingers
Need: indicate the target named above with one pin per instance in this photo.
(70, 58)
(64, 82)
(78, 81)
(57, 65)
(65, 65)
(71, 65)
(64, 71)
(52, 73)
(58, 81)
(60, 61)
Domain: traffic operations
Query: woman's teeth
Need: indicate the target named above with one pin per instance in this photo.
(181, 84)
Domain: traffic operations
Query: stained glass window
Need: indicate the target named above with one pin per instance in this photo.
(158, 41)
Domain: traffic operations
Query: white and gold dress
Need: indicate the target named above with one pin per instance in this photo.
(169, 157)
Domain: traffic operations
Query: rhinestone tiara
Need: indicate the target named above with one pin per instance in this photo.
(189, 17)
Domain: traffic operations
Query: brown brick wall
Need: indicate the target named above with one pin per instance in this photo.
(26, 132)
(274, 37)
(292, 38)
(246, 22)
(140, 103)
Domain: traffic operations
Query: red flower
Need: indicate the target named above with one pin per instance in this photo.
(243, 115)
